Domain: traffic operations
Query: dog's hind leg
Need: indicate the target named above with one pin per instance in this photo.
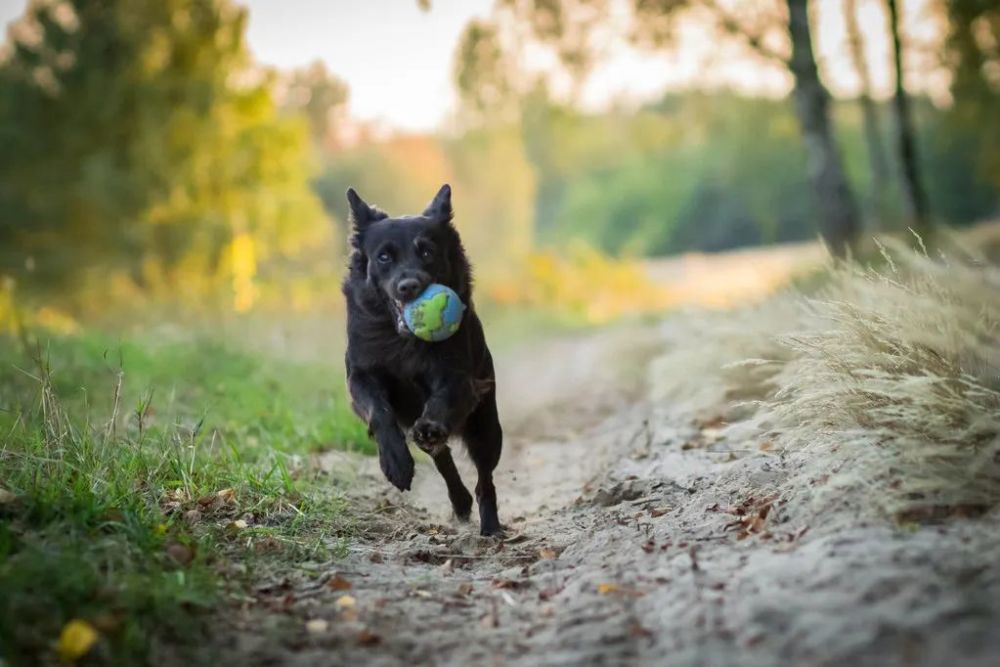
(461, 499)
(484, 440)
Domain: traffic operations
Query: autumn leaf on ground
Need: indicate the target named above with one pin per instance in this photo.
(368, 638)
(179, 553)
(548, 554)
(236, 526)
(317, 626)
(605, 589)
(637, 631)
(75, 640)
(338, 583)
(345, 601)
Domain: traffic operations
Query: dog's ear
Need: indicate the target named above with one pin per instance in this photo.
(440, 208)
(362, 214)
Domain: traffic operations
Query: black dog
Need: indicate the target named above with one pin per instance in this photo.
(399, 382)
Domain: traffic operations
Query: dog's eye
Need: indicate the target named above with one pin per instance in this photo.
(426, 253)
(384, 257)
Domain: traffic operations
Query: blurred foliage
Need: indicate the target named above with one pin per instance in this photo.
(145, 153)
(139, 139)
(584, 285)
(319, 95)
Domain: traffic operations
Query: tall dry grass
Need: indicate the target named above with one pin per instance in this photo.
(882, 390)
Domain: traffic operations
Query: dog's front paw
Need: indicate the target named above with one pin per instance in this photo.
(429, 435)
(397, 466)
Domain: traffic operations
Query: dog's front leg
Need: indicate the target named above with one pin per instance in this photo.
(452, 399)
(371, 401)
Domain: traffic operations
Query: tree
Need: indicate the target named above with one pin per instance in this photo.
(973, 58)
(838, 222)
(869, 117)
(914, 196)
(319, 96)
(138, 137)
(570, 26)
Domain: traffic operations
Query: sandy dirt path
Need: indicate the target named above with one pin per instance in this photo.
(637, 535)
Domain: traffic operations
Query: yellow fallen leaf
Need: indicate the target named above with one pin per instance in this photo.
(317, 626)
(236, 526)
(604, 589)
(345, 601)
(75, 640)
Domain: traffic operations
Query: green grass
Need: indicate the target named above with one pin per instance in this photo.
(123, 457)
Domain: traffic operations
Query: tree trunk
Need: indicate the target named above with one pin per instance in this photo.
(914, 196)
(838, 213)
(870, 118)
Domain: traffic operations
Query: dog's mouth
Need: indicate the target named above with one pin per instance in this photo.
(397, 307)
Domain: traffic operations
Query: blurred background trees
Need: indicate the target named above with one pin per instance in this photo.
(139, 138)
(142, 141)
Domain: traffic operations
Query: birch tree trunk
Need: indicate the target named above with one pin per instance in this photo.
(838, 212)
(914, 196)
(870, 119)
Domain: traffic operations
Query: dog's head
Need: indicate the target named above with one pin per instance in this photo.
(399, 257)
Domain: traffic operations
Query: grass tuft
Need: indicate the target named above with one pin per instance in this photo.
(882, 388)
(129, 479)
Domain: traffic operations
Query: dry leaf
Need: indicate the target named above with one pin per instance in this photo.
(658, 511)
(75, 640)
(192, 516)
(465, 588)
(548, 554)
(547, 593)
(317, 626)
(368, 638)
(236, 526)
(180, 554)
(6, 497)
(376, 557)
(345, 601)
(638, 632)
(506, 583)
(711, 435)
(226, 495)
(338, 583)
(106, 623)
(605, 589)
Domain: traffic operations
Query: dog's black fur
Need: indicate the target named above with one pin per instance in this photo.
(399, 383)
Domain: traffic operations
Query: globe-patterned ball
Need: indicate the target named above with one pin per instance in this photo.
(434, 315)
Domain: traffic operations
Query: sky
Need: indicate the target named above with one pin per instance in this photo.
(398, 60)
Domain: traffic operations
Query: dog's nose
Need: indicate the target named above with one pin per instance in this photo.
(408, 288)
